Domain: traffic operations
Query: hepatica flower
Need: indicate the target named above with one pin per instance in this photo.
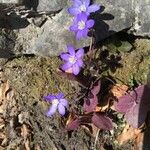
(73, 60)
(58, 102)
(82, 6)
(81, 26)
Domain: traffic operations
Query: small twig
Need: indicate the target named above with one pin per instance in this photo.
(91, 43)
(96, 139)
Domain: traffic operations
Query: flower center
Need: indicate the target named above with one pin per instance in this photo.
(55, 102)
(82, 8)
(81, 25)
(72, 59)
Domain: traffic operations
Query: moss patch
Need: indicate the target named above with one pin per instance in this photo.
(136, 64)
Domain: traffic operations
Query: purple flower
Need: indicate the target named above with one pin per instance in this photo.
(58, 102)
(73, 60)
(81, 26)
(80, 6)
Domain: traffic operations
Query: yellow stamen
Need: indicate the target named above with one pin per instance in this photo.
(81, 25)
(72, 59)
(82, 8)
(55, 102)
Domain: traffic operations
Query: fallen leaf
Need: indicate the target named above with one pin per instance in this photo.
(2, 148)
(143, 139)
(138, 144)
(4, 87)
(119, 90)
(25, 132)
(128, 133)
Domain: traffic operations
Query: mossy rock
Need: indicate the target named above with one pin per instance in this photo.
(136, 64)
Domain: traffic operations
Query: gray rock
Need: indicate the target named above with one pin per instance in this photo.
(50, 39)
(10, 1)
(51, 35)
(53, 5)
(127, 15)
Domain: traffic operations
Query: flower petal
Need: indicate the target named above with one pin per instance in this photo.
(66, 66)
(49, 97)
(85, 32)
(71, 50)
(77, 3)
(64, 102)
(61, 109)
(73, 11)
(51, 110)
(75, 69)
(65, 57)
(79, 62)
(79, 35)
(80, 53)
(90, 23)
(93, 8)
(60, 95)
(82, 17)
(74, 27)
(87, 2)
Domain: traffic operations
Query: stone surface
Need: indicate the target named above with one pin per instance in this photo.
(9, 1)
(49, 40)
(53, 5)
(52, 35)
(128, 14)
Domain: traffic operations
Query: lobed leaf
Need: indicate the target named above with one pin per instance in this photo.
(101, 121)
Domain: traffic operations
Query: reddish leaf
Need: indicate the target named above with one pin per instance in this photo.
(91, 103)
(135, 105)
(125, 102)
(101, 121)
(73, 125)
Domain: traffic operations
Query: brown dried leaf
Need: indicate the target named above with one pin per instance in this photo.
(138, 144)
(119, 90)
(2, 148)
(101, 108)
(27, 145)
(4, 87)
(129, 133)
(143, 139)
(2, 135)
(25, 132)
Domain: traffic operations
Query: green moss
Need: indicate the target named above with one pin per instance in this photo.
(136, 64)
(36, 76)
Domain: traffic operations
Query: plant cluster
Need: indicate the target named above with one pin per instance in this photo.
(130, 104)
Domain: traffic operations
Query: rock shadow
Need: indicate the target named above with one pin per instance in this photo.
(110, 61)
(6, 53)
(101, 27)
(13, 21)
(31, 4)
